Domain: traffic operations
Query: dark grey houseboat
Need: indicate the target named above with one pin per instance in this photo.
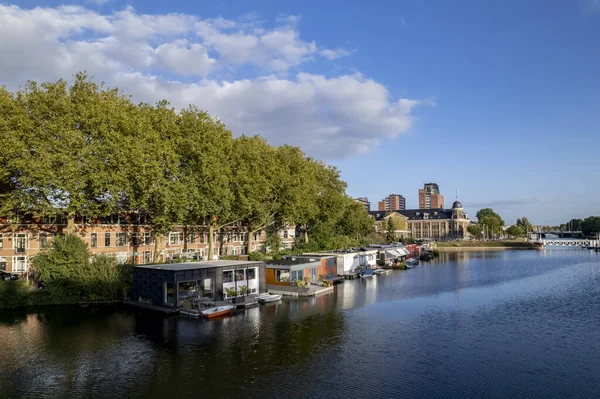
(169, 285)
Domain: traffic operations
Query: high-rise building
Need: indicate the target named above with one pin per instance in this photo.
(393, 202)
(430, 197)
(365, 202)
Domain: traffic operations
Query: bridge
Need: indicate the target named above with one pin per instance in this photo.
(582, 243)
(560, 234)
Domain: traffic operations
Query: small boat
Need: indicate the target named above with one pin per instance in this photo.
(366, 273)
(267, 298)
(381, 271)
(411, 263)
(218, 311)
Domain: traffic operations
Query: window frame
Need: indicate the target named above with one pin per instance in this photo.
(94, 240)
(107, 240)
(118, 241)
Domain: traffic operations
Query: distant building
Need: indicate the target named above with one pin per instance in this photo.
(365, 202)
(393, 202)
(435, 224)
(430, 197)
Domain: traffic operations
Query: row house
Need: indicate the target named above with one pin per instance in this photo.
(128, 242)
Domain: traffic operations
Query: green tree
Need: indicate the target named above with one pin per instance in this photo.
(390, 230)
(515, 231)
(356, 221)
(70, 275)
(475, 230)
(591, 225)
(525, 224)
(490, 221)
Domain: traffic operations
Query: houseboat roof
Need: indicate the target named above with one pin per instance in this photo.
(200, 265)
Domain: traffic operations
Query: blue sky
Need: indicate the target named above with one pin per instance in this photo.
(497, 99)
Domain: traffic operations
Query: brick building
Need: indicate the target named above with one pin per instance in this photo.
(130, 241)
(430, 197)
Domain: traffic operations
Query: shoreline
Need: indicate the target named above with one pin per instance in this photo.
(461, 249)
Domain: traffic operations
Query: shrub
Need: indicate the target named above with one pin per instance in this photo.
(13, 294)
(257, 256)
(71, 275)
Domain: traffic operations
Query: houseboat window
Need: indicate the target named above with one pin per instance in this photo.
(93, 241)
(169, 293)
(251, 274)
(239, 275)
(283, 276)
(43, 240)
(121, 239)
(228, 276)
(207, 285)
(187, 289)
(313, 274)
(107, 239)
(297, 275)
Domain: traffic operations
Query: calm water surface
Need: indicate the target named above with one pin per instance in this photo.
(480, 325)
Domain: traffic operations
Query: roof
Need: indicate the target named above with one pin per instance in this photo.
(415, 214)
(289, 261)
(457, 204)
(199, 265)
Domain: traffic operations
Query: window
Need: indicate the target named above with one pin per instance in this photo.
(207, 286)
(94, 240)
(285, 234)
(251, 274)
(20, 243)
(107, 239)
(297, 275)
(134, 239)
(1, 242)
(19, 263)
(147, 256)
(2, 263)
(202, 235)
(239, 275)
(191, 237)
(228, 276)
(283, 276)
(175, 238)
(147, 238)
(121, 239)
(256, 236)
(169, 293)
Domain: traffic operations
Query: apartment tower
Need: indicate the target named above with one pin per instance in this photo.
(430, 197)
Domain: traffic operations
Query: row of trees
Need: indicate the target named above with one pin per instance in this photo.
(83, 149)
(588, 226)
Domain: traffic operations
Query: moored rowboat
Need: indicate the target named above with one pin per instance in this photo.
(265, 298)
(216, 312)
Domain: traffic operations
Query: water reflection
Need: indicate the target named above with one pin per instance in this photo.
(465, 324)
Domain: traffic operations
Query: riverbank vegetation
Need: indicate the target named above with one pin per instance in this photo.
(87, 150)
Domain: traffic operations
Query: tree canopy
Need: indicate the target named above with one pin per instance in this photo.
(84, 149)
(489, 221)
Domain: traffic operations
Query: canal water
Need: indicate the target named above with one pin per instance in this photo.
(491, 324)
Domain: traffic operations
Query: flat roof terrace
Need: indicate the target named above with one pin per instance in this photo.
(201, 265)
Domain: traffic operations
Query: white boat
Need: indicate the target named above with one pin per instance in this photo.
(266, 298)
(381, 271)
(218, 311)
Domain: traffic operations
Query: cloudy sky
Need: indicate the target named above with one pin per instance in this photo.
(499, 100)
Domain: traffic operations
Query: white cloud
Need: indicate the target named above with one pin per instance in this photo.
(98, 2)
(181, 58)
(334, 54)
